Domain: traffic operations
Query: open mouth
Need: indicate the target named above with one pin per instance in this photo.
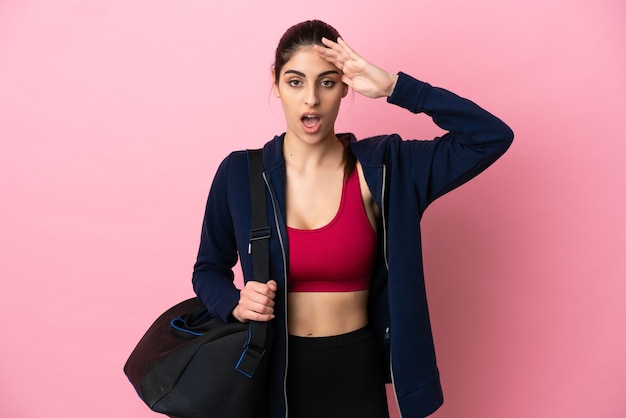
(310, 120)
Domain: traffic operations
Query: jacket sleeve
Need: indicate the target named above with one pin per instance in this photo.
(213, 271)
(474, 139)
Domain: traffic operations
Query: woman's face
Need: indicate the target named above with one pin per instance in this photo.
(310, 91)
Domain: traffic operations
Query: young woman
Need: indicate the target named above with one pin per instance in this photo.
(348, 300)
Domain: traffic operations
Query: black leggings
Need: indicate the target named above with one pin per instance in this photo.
(340, 376)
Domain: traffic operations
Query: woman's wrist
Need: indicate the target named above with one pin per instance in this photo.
(393, 80)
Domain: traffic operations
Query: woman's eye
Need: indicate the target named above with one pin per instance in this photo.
(328, 83)
(294, 83)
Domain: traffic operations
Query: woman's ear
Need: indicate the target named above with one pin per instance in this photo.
(344, 93)
(274, 83)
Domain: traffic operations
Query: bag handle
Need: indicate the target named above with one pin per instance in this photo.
(194, 324)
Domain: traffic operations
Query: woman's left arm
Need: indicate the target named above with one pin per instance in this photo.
(362, 76)
(474, 140)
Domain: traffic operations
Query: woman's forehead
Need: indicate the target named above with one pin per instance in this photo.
(306, 61)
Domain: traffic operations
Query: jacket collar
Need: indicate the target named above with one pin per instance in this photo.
(370, 153)
(273, 157)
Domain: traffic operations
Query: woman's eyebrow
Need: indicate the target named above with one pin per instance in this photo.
(324, 74)
(298, 73)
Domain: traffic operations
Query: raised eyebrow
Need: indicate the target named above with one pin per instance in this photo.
(321, 75)
(298, 73)
(325, 73)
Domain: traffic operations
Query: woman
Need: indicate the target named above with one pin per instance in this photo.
(347, 301)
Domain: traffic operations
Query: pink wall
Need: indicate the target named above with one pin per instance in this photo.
(114, 116)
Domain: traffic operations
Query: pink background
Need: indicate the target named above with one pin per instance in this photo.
(114, 116)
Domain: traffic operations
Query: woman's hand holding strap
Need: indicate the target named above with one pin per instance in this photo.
(256, 302)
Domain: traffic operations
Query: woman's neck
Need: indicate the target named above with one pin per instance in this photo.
(304, 157)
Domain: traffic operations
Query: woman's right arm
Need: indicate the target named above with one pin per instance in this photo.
(217, 255)
(213, 278)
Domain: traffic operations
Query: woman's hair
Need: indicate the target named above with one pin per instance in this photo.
(302, 35)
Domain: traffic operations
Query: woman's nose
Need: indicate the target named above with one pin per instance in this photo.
(312, 97)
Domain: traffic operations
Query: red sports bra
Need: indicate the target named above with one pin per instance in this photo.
(338, 257)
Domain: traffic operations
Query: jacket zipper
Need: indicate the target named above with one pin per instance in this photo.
(384, 216)
(387, 330)
(282, 248)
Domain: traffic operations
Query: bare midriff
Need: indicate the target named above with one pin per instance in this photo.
(324, 314)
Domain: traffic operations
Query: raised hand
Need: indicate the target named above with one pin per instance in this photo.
(362, 76)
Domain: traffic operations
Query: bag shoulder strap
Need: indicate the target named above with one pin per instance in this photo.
(260, 231)
(258, 332)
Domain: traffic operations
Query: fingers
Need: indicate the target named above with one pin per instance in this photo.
(256, 302)
(339, 46)
(336, 53)
(264, 289)
(327, 54)
(346, 47)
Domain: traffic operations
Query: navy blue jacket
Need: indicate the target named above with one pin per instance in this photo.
(404, 177)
